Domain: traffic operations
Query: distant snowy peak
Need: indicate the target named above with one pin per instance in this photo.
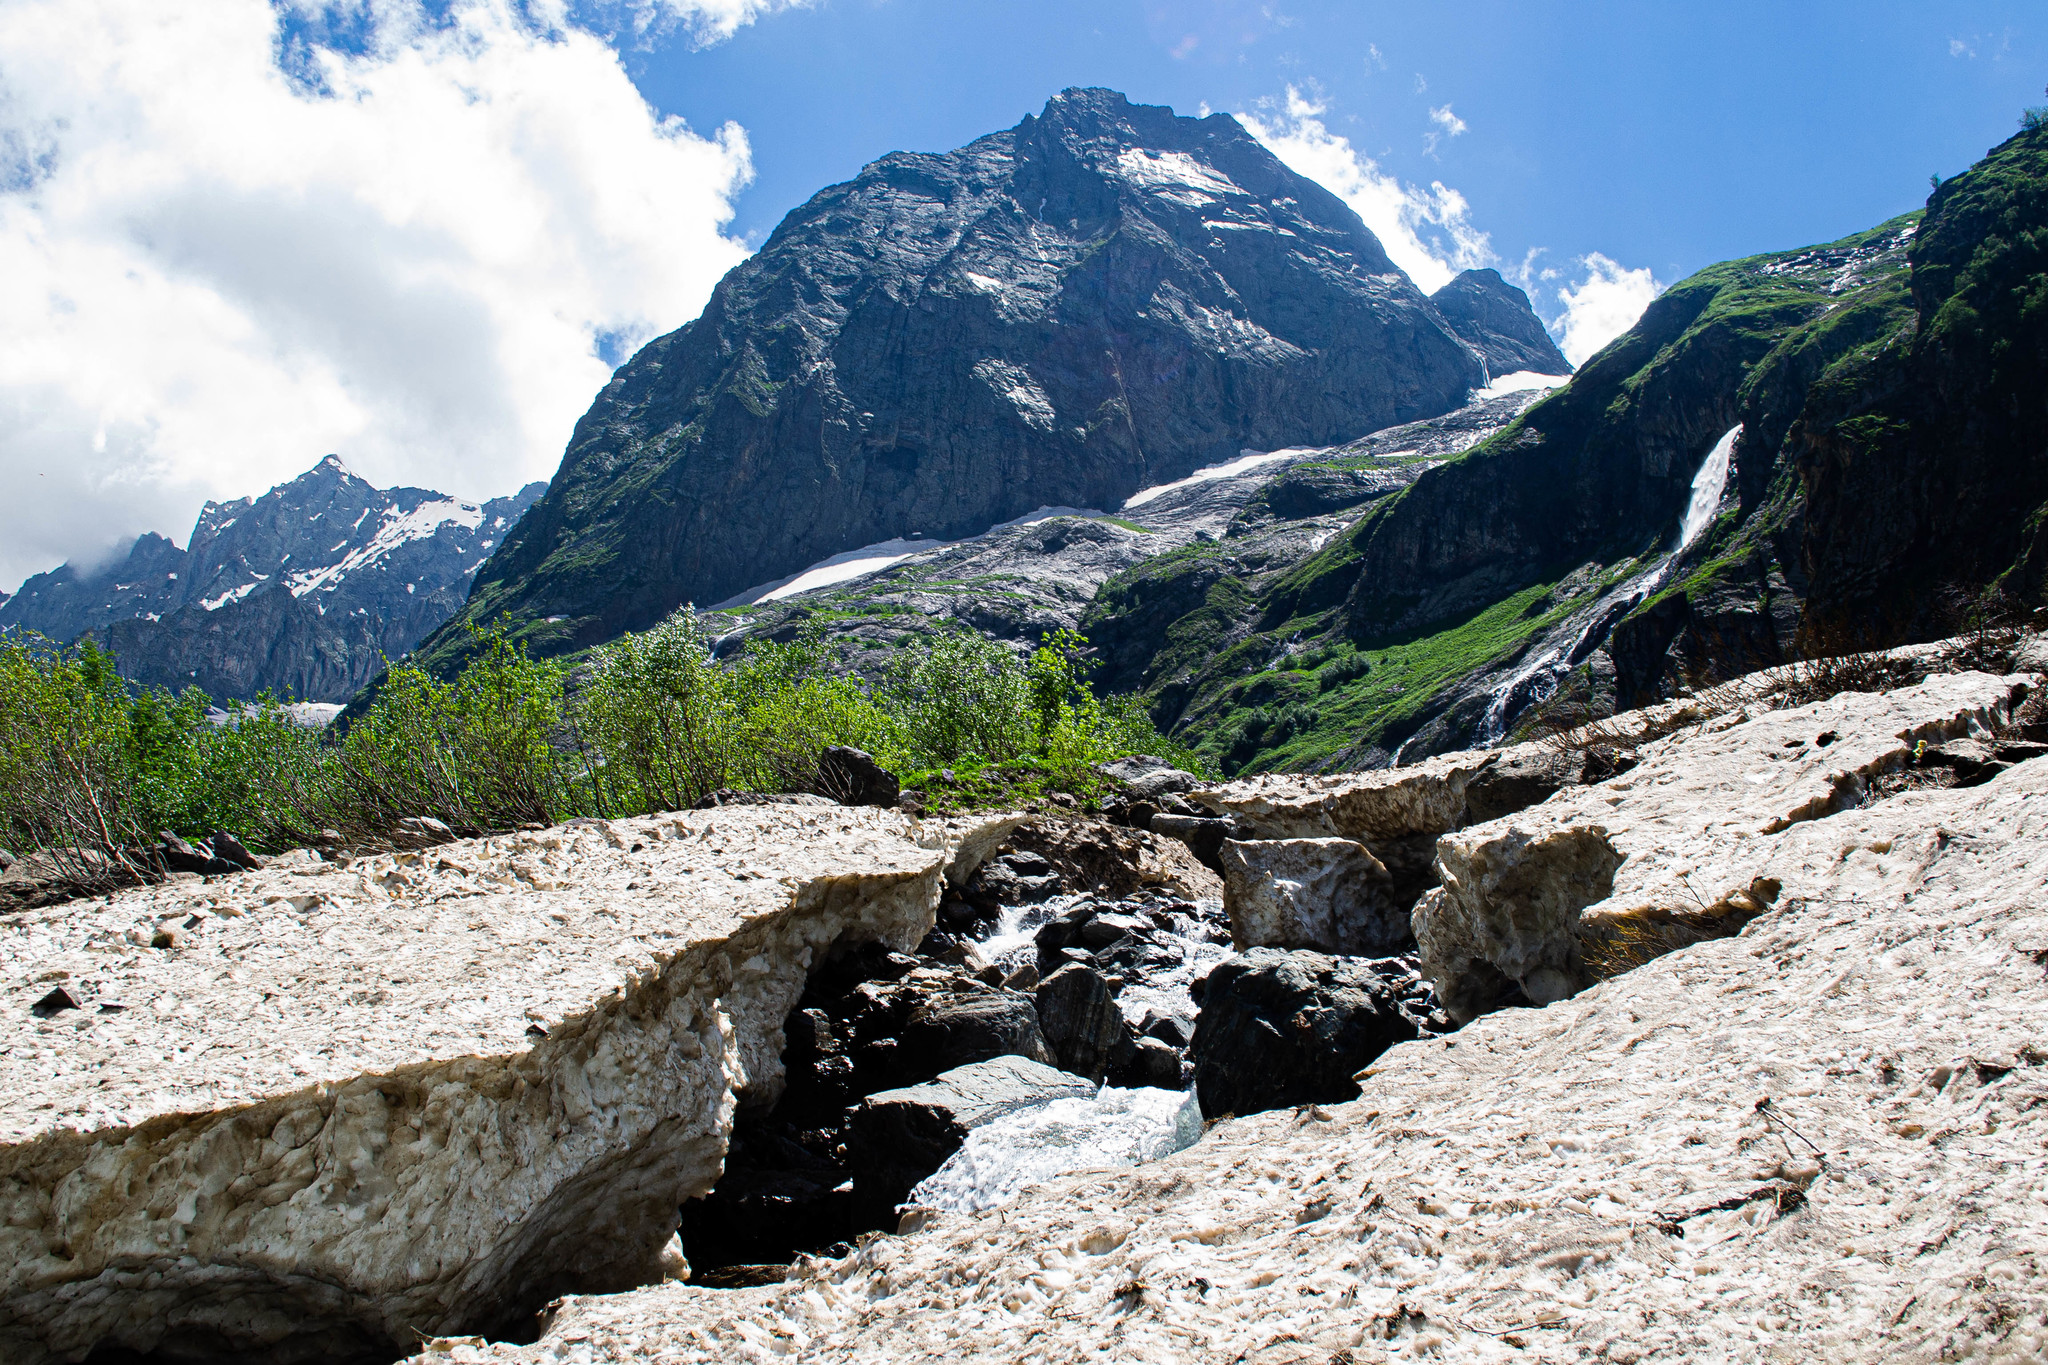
(329, 533)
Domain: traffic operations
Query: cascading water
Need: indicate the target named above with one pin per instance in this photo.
(1538, 680)
(1707, 487)
(1113, 1127)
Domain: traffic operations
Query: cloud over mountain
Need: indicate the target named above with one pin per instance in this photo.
(239, 236)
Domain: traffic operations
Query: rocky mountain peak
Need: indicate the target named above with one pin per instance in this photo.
(1496, 319)
(1100, 299)
(387, 564)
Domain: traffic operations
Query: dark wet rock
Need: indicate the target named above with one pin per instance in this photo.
(869, 1020)
(227, 846)
(1282, 1028)
(1081, 1020)
(1175, 1030)
(1148, 1062)
(178, 856)
(853, 778)
(898, 1137)
(1015, 878)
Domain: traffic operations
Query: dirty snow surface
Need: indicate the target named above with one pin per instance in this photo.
(1825, 1139)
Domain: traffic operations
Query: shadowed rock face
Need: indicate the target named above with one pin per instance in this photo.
(1495, 317)
(1100, 299)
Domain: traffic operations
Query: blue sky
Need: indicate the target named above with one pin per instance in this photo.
(244, 234)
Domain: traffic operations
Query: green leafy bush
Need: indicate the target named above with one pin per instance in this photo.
(89, 772)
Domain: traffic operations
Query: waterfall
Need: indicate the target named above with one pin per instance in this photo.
(1707, 487)
(1537, 681)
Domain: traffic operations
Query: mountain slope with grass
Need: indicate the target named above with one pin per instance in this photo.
(1835, 447)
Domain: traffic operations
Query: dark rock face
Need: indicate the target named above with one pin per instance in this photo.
(1283, 1028)
(1496, 319)
(1081, 1020)
(1099, 299)
(868, 1021)
(303, 590)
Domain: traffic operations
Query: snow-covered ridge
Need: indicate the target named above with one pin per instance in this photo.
(1245, 463)
(421, 523)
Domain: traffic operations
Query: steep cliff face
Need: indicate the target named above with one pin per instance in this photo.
(1100, 299)
(302, 590)
(1496, 319)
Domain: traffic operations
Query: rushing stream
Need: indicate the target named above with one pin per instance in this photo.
(1114, 1127)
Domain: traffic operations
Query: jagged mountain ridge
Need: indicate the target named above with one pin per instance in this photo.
(302, 590)
(1103, 298)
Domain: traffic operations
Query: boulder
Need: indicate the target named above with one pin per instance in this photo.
(959, 1027)
(1147, 779)
(1113, 862)
(1081, 1021)
(1598, 879)
(1285, 1028)
(1020, 878)
(1149, 1062)
(1331, 895)
(227, 846)
(307, 1111)
(1204, 835)
(178, 856)
(853, 778)
(899, 1137)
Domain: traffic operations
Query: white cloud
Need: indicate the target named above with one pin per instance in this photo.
(708, 21)
(214, 275)
(1447, 124)
(1428, 232)
(1958, 48)
(1603, 305)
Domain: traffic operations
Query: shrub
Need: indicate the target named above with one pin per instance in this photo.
(90, 772)
(477, 753)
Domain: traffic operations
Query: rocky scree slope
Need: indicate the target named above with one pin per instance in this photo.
(1844, 431)
(1251, 519)
(1100, 299)
(304, 590)
(1815, 1134)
